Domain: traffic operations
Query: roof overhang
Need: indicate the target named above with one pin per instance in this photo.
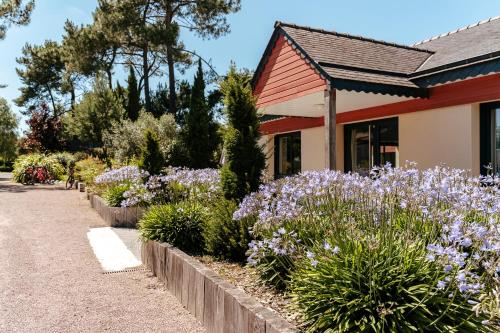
(337, 83)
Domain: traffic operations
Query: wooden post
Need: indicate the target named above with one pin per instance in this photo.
(330, 129)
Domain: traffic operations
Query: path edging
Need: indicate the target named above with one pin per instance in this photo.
(115, 216)
(217, 304)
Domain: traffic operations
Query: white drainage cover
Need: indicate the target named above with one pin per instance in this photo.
(110, 250)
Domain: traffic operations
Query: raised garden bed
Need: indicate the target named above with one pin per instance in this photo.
(219, 305)
(116, 216)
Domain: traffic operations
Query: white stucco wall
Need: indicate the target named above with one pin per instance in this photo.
(312, 148)
(441, 136)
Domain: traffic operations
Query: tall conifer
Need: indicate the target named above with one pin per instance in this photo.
(133, 97)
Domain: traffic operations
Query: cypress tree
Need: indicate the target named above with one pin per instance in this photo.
(133, 97)
(152, 159)
(244, 157)
(199, 135)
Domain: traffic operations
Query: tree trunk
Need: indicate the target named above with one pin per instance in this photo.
(73, 96)
(54, 111)
(172, 96)
(110, 78)
(145, 66)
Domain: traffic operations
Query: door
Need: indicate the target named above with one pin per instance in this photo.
(490, 138)
(371, 144)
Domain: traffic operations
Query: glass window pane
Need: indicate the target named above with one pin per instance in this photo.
(288, 152)
(360, 149)
(388, 143)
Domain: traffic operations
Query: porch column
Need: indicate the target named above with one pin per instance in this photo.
(330, 113)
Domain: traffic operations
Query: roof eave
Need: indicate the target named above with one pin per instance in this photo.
(379, 88)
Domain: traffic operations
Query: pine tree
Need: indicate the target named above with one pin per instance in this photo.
(199, 135)
(244, 157)
(133, 97)
(152, 159)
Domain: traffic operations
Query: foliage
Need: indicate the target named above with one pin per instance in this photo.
(244, 158)
(125, 139)
(160, 102)
(133, 97)
(152, 159)
(435, 229)
(88, 169)
(178, 184)
(113, 195)
(65, 159)
(25, 163)
(8, 135)
(45, 131)
(381, 284)
(96, 113)
(180, 224)
(226, 238)
(199, 135)
(14, 12)
(41, 75)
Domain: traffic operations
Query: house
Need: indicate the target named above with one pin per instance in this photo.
(338, 101)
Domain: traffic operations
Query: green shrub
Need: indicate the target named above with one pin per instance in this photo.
(64, 158)
(245, 160)
(25, 162)
(276, 256)
(86, 170)
(179, 224)
(226, 238)
(375, 285)
(152, 159)
(114, 194)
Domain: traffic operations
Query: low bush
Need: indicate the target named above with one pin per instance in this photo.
(179, 224)
(226, 238)
(65, 159)
(113, 195)
(88, 169)
(407, 250)
(381, 283)
(27, 164)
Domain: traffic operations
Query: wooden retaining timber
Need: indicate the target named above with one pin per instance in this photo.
(217, 304)
(116, 216)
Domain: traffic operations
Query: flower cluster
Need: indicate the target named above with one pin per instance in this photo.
(462, 213)
(283, 243)
(120, 175)
(178, 182)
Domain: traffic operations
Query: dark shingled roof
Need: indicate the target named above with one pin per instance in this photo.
(356, 58)
(364, 64)
(475, 40)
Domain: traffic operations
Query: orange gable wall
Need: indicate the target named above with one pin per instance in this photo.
(286, 76)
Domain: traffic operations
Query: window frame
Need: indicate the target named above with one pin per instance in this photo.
(374, 130)
(277, 155)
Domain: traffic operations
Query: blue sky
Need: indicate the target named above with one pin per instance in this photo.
(390, 20)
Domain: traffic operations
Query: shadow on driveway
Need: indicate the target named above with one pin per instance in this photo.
(7, 185)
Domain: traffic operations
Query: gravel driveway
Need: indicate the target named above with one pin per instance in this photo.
(50, 280)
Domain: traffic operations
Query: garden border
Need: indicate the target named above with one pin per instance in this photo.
(217, 304)
(115, 216)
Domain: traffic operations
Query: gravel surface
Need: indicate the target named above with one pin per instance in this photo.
(50, 280)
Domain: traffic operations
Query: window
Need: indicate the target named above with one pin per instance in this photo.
(490, 138)
(370, 144)
(287, 154)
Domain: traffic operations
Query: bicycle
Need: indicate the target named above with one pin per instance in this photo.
(71, 177)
